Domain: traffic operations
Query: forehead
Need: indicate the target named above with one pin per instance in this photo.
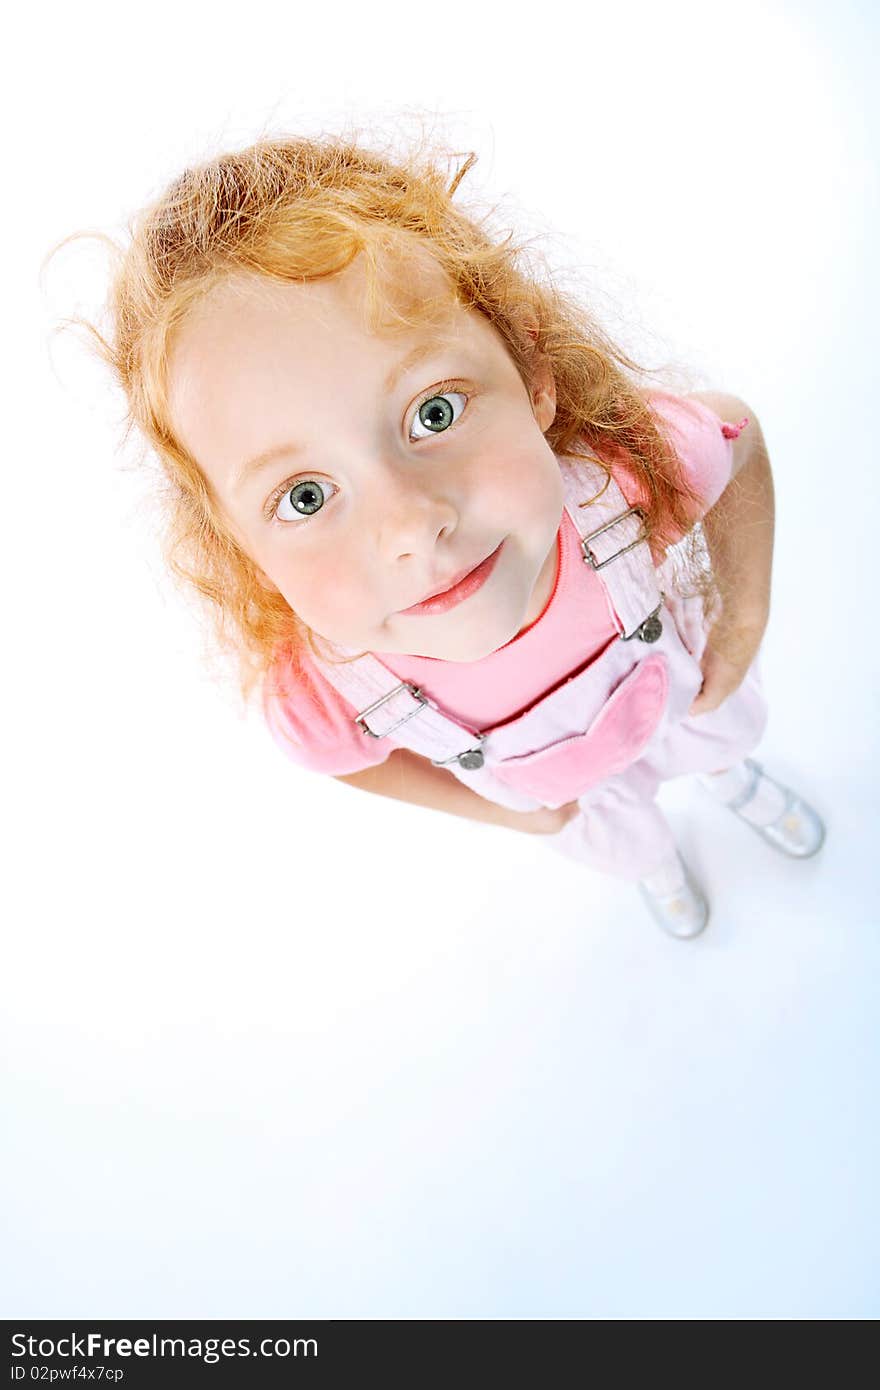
(401, 296)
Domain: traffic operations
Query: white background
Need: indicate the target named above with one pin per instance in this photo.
(275, 1047)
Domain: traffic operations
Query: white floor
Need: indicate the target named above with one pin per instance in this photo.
(251, 1076)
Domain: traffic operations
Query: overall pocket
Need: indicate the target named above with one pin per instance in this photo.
(616, 737)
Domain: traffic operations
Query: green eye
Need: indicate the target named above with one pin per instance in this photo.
(438, 413)
(307, 497)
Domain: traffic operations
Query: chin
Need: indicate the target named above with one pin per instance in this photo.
(479, 646)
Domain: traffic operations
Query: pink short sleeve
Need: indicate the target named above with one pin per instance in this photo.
(702, 442)
(313, 724)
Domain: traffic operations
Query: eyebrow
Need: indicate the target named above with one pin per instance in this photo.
(260, 462)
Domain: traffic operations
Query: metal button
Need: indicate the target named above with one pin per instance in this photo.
(651, 629)
(470, 760)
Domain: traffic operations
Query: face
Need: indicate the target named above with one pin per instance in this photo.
(361, 483)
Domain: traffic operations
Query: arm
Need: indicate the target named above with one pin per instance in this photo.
(739, 536)
(739, 529)
(409, 777)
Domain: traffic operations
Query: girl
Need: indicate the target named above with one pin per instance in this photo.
(467, 557)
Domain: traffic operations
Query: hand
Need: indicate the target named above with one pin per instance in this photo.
(546, 820)
(724, 671)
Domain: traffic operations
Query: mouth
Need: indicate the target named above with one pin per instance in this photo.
(462, 589)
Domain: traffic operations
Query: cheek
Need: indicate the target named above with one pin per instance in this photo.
(525, 491)
(323, 592)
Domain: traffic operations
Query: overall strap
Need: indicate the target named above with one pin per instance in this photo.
(612, 531)
(387, 705)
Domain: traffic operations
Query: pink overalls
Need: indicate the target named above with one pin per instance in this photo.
(611, 733)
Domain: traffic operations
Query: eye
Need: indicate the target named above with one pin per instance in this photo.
(305, 497)
(436, 413)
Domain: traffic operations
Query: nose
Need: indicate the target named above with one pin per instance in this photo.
(411, 518)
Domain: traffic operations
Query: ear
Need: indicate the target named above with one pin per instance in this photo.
(543, 387)
(543, 395)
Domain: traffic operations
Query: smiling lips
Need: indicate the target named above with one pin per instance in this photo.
(449, 598)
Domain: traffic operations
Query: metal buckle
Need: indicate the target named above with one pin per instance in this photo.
(649, 629)
(404, 685)
(471, 759)
(585, 542)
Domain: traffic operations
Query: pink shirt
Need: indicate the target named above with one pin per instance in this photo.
(315, 727)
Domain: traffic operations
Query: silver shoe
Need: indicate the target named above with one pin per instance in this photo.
(682, 913)
(797, 830)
